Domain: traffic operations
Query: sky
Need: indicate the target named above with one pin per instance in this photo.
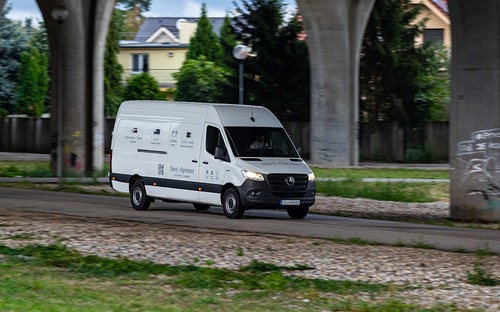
(21, 9)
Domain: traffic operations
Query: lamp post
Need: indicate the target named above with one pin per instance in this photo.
(59, 13)
(240, 52)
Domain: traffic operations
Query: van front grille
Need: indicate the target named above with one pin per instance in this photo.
(279, 183)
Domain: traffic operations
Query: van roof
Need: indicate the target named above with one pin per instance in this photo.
(230, 114)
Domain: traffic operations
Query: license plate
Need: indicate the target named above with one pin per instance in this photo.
(290, 202)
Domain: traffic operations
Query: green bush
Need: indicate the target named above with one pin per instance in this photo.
(142, 86)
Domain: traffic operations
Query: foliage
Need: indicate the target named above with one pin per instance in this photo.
(11, 48)
(131, 16)
(33, 83)
(38, 38)
(113, 70)
(142, 86)
(227, 41)
(143, 5)
(200, 80)
(434, 96)
(278, 76)
(294, 81)
(392, 66)
(204, 42)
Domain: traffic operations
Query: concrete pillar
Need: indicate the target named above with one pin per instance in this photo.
(102, 20)
(475, 110)
(335, 31)
(77, 48)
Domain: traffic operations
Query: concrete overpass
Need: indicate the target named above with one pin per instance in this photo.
(335, 31)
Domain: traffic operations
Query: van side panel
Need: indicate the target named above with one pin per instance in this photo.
(140, 148)
(183, 161)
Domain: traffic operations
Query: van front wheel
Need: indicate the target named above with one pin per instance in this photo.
(231, 204)
(138, 197)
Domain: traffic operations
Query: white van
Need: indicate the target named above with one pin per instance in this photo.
(235, 156)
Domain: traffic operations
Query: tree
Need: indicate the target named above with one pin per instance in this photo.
(13, 44)
(33, 83)
(434, 96)
(204, 42)
(279, 74)
(40, 40)
(143, 5)
(203, 77)
(392, 66)
(294, 76)
(131, 16)
(200, 81)
(227, 41)
(113, 70)
(142, 86)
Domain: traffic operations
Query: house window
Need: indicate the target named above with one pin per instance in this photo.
(435, 36)
(140, 63)
(170, 54)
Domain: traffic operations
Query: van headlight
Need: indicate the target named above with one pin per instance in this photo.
(311, 176)
(254, 176)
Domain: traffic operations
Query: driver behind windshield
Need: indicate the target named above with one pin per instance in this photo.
(259, 142)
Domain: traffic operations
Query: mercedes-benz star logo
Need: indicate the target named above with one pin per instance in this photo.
(290, 181)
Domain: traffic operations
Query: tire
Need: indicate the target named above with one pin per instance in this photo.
(231, 204)
(201, 207)
(138, 197)
(298, 213)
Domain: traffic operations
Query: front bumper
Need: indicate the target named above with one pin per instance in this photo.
(262, 195)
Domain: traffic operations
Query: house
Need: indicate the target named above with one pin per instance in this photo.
(160, 47)
(438, 26)
(161, 44)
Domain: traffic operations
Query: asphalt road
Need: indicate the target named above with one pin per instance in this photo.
(254, 221)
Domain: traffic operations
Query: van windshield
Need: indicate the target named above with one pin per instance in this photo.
(260, 142)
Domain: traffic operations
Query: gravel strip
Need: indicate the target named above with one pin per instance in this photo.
(438, 276)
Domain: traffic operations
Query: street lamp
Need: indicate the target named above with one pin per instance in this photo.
(240, 52)
(59, 13)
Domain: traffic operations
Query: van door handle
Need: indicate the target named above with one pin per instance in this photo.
(194, 160)
(205, 162)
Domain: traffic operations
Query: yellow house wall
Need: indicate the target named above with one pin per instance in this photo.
(161, 65)
(435, 20)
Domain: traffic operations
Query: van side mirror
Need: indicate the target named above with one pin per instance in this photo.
(220, 153)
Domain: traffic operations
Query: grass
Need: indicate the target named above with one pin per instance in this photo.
(54, 278)
(33, 169)
(392, 191)
(395, 173)
(25, 169)
(350, 188)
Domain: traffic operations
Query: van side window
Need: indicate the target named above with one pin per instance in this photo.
(214, 139)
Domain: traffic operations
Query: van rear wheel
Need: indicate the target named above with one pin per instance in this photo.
(231, 204)
(138, 197)
(298, 213)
